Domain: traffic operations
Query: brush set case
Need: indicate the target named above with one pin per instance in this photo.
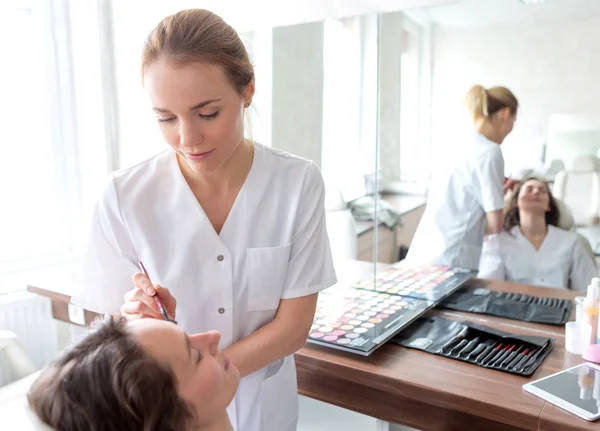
(477, 344)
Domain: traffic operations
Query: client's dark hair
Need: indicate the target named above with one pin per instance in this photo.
(512, 218)
(107, 382)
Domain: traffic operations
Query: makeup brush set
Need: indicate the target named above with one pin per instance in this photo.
(476, 344)
(517, 306)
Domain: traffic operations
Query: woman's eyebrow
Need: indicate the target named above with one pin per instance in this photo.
(192, 108)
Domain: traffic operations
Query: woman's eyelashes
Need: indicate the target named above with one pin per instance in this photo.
(198, 357)
(203, 116)
(210, 116)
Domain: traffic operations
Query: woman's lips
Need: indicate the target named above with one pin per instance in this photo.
(197, 157)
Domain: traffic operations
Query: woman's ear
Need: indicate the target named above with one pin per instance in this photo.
(249, 94)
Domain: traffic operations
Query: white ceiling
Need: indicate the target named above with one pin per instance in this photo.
(486, 13)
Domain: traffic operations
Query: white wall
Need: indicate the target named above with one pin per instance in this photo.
(550, 68)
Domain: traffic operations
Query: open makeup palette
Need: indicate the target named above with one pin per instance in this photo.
(362, 317)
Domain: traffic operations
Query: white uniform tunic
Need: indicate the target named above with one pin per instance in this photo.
(561, 261)
(453, 226)
(272, 246)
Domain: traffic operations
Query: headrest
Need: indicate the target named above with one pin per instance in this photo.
(585, 164)
(565, 220)
(14, 408)
(19, 415)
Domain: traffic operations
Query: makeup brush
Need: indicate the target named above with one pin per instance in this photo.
(479, 349)
(458, 337)
(497, 356)
(469, 347)
(532, 360)
(510, 357)
(157, 300)
(503, 356)
(519, 367)
(491, 353)
(517, 359)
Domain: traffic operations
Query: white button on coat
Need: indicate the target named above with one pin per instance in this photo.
(272, 246)
(453, 226)
(561, 261)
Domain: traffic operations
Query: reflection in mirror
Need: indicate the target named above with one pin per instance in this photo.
(544, 52)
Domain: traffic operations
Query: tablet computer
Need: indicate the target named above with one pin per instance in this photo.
(576, 390)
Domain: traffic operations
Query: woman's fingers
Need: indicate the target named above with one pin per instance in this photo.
(138, 310)
(168, 300)
(137, 295)
(141, 282)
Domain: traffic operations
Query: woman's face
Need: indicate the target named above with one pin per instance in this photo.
(534, 197)
(205, 378)
(200, 113)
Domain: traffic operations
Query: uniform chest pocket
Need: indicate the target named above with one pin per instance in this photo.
(267, 269)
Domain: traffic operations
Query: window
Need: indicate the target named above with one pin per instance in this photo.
(38, 166)
(409, 103)
(349, 103)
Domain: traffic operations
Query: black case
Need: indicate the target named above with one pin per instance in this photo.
(552, 311)
(477, 344)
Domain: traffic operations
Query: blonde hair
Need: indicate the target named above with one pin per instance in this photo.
(482, 103)
(198, 35)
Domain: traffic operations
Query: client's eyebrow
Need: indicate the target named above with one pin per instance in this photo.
(188, 344)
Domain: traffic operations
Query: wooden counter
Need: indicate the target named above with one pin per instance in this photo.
(426, 391)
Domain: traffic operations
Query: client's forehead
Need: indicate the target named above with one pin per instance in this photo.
(157, 337)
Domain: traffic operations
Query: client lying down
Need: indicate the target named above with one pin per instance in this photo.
(140, 375)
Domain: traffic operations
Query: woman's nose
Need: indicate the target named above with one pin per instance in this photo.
(189, 134)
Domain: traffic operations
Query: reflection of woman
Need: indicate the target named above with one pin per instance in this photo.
(143, 375)
(236, 230)
(469, 195)
(532, 249)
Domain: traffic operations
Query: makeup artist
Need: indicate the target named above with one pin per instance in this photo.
(235, 230)
(466, 200)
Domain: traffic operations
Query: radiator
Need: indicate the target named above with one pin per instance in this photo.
(30, 317)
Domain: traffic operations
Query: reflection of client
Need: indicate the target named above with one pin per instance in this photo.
(532, 249)
(142, 375)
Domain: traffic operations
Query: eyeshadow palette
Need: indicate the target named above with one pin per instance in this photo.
(360, 321)
(431, 282)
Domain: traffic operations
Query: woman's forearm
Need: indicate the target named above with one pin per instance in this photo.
(283, 336)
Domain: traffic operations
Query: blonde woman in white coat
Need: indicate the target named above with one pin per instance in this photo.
(465, 201)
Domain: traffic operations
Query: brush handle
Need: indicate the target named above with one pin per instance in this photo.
(469, 347)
